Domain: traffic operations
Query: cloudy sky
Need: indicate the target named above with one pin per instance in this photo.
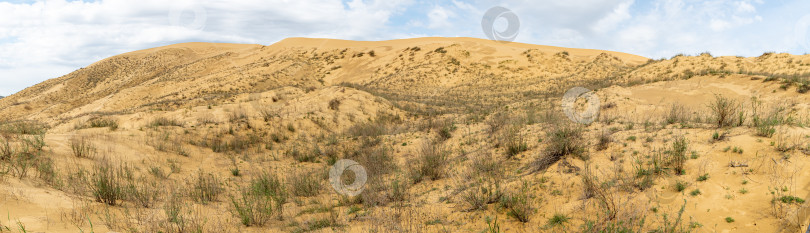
(45, 39)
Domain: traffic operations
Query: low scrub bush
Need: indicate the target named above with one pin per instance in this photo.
(305, 183)
(723, 110)
(519, 204)
(264, 198)
(562, 140)
(108, 182)
(430, 164)
(163, 121)
(205, 188)
(82, 147)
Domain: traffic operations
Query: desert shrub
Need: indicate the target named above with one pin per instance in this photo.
(252, 209)
(484, 174)
(163, 121)
(565, 140)
(173, 207)
(723, 110)
(497, 121)
(82, 147)
(519, 204)
(269, 185)
(558, 219)
(381, 125)
(766, 126)
(264, 198)
(677, 155)
(23, 127)
(677, 114)
(446, 129)
(47, 172)
(790, 199)
(143, 192)
(478, 195)
(237, 115)
(303, 156)
(378, 162)
(430, 164)
(167, 141)
(562, 140)
(317, 224)
(334, 104)
(605, 137)
(680, 186)
(6, 150)
(514, 142)
(101, 122)
(205, 188)
(107, 183)
(304, 183)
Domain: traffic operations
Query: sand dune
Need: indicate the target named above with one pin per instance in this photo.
(451, 131)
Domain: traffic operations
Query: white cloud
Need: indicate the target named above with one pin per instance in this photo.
(611, 21)
(438, 18)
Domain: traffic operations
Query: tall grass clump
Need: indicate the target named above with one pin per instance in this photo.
(205, 188)
(430, 164)
(260, 201)
(304, 183)
(677, 155)
(108, 183)
(82, 147)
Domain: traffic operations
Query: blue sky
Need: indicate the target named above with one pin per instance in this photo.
(40, 40)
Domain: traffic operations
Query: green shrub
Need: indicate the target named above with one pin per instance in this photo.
(791, 200)
(680, 186)
(703, 177)
(695, 192)
(558, 219)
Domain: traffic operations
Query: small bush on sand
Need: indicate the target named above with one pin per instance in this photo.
(723, 110)
(304, 183)
(205, 188)
(431, 163)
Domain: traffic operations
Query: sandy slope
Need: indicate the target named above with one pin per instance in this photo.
(269, 104)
